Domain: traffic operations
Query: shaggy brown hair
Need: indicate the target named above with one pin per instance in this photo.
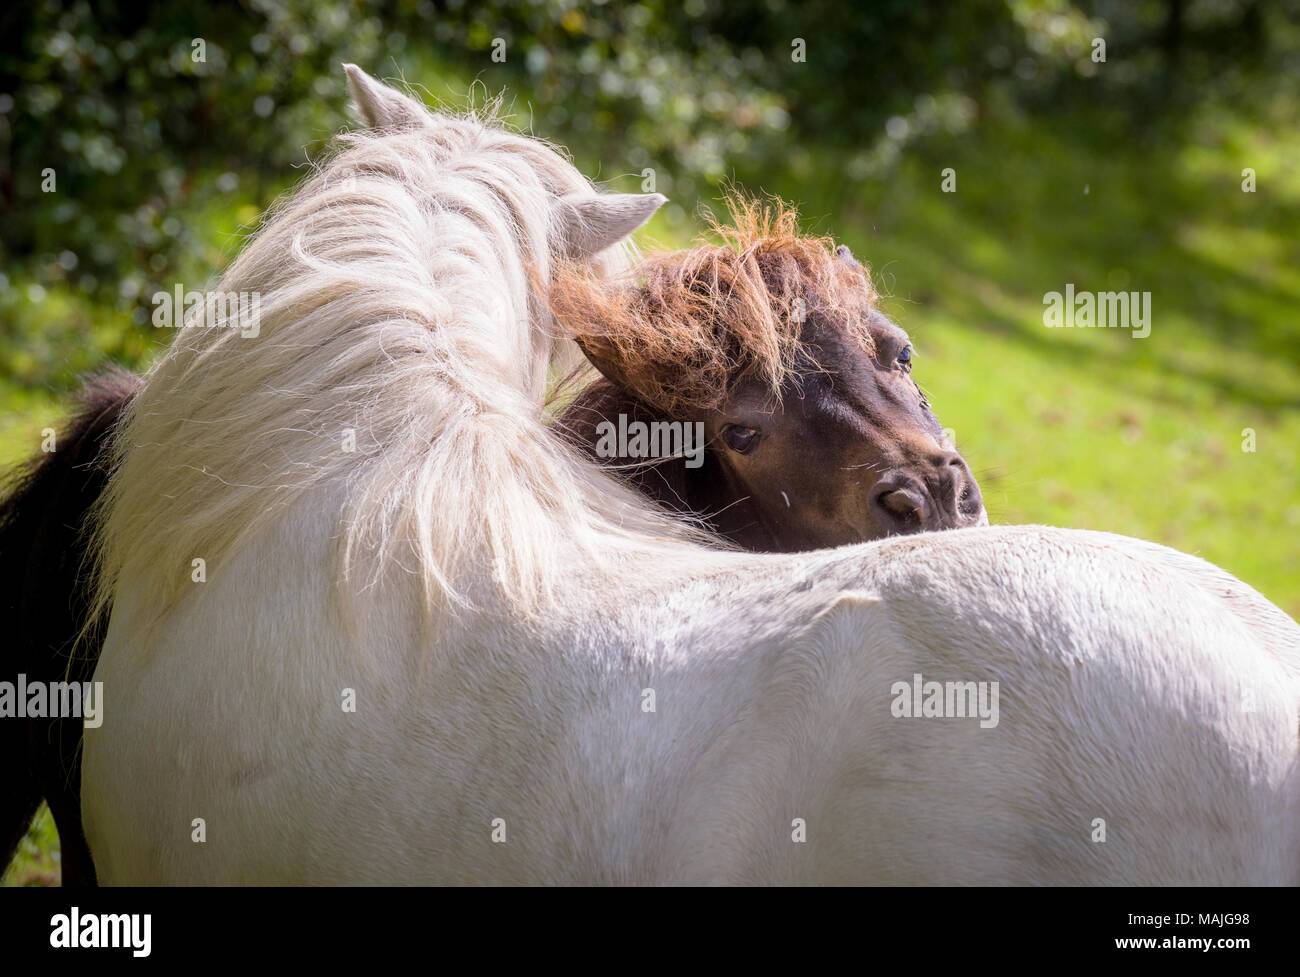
(685, 326)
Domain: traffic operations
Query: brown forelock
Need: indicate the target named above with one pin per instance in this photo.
(683, 327)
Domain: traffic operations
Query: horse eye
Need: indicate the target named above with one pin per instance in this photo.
(739, 439)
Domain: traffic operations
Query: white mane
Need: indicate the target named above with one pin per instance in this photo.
(397, 303)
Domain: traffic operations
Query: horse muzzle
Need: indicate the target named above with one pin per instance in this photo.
(943, 495)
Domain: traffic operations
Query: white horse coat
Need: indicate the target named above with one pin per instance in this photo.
(552, 683)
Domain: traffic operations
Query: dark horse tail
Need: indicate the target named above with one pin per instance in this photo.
(44, 606)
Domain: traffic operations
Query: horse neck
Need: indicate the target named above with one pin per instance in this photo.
(665, 481)
(703, 493)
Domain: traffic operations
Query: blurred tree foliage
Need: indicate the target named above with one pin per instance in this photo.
(141, 107)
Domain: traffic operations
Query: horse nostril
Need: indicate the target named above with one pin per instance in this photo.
(898, 503)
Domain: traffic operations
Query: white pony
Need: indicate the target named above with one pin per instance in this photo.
(428, 643)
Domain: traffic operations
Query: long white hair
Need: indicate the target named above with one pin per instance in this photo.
(399, 367)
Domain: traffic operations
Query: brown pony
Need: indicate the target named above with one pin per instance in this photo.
(771, 345)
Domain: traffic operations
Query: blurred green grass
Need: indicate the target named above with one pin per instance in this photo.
(1083, 428)
(1090, 427)
(37, 861)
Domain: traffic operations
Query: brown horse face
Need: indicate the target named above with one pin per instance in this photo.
(851, 453)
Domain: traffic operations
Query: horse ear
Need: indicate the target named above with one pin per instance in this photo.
(379, 106)
(604, 356)
(587, 224)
